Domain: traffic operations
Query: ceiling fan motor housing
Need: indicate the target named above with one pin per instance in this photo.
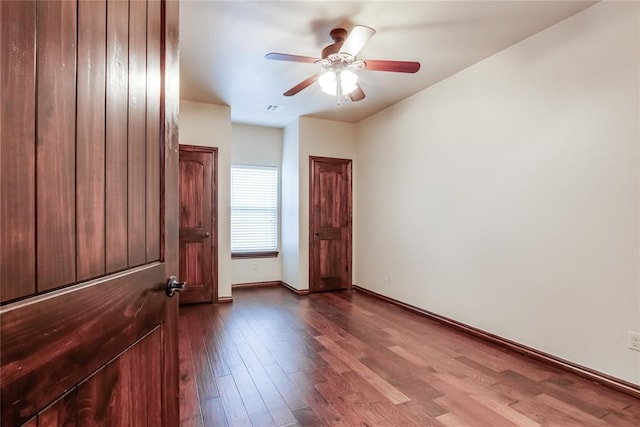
(338, 35)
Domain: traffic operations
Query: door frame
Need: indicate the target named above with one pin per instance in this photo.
(213, 151)
(312, 258)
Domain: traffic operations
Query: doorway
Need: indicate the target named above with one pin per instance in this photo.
(330, 224)
(198, 218)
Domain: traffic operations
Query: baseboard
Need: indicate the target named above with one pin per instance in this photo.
(255, 284)
(294, 290)
(584, 372)
(224, 300)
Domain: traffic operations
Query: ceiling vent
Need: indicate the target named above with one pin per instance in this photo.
(274, 108)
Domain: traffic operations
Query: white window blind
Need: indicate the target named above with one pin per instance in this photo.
(254, 209)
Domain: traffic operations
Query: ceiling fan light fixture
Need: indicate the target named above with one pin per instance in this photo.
(329, 83)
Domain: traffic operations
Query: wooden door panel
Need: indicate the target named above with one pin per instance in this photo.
(87, 223)
(332, 265)
(125, 392)
(128, 390)
(17, 204)
(195, 269)
(136, 203)
(330, 224)
(55, 146)
(93, 400)
(192, 182)
(153, 151)
(330, 258)
(90, 143)
(56, 341)
(116, 135)
(191, 258)
(330, 233)
(64, 412)
(330, 283)
(197, 223)
(331, 203)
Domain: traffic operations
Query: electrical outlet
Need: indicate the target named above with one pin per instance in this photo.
(634, 341)
(389, 277)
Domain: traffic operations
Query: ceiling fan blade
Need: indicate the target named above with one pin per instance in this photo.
(302, 85)
(356, 39)
(293, 58)
(394, 66)
(357, 94)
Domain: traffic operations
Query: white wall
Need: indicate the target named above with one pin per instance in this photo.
(507, 196)
(261, 146)
(290, 243)
(210, 126)
(303, 138)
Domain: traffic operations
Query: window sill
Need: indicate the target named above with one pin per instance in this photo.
(241, 255)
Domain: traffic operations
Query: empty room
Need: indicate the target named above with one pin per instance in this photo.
(318, 213)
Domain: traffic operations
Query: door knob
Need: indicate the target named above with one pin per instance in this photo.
(206, 234)
(174, 286)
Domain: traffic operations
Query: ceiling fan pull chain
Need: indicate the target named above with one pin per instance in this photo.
(339, 85)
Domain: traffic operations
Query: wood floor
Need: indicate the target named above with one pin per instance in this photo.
(273, 358)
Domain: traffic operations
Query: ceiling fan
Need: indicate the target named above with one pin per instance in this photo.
(338, 62)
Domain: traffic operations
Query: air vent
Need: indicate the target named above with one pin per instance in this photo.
(274, 108)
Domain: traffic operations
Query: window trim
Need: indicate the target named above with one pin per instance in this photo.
(243, 255)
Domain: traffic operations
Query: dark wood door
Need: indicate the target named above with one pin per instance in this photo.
(330, 224)
(198, 240)
(88, 213)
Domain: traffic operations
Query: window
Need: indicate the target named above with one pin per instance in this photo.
(254, 211)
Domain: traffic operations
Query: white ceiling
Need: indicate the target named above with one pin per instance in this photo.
(223, 43)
